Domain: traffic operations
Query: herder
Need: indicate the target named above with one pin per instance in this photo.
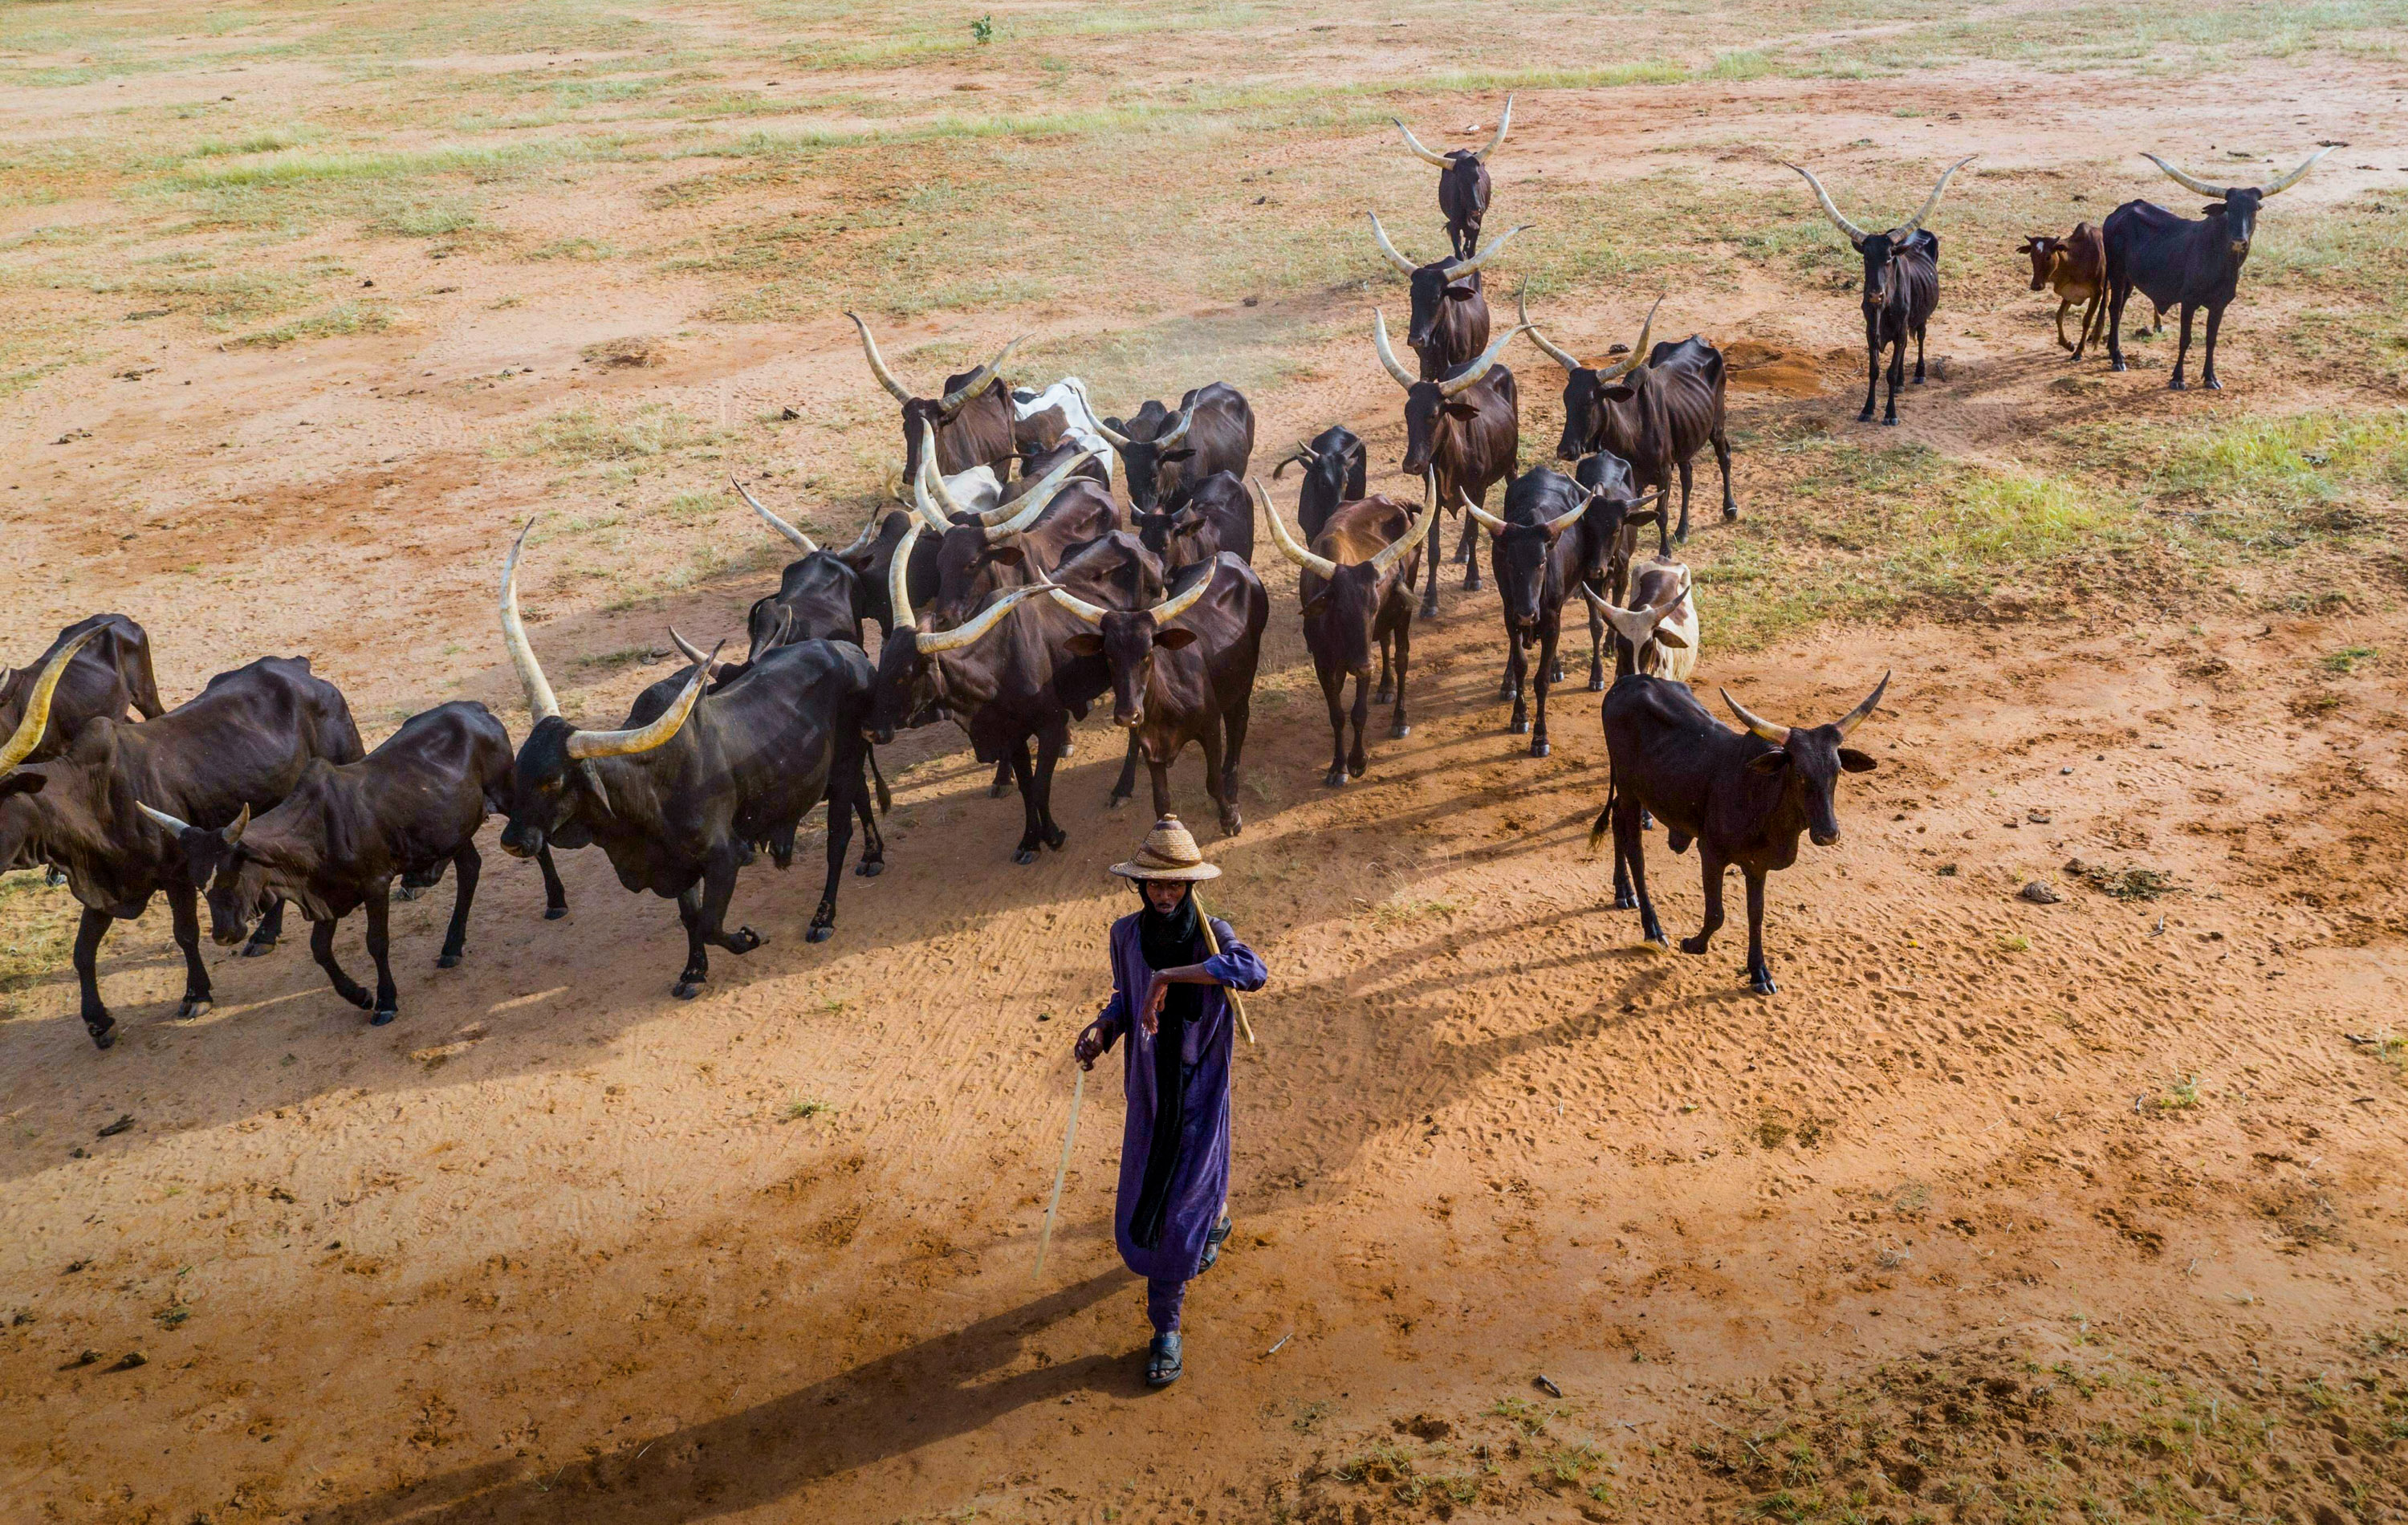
(1168, 997)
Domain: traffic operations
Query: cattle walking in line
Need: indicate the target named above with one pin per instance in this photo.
(1162, 453)
(1182, 671)
(1902, 287)
(1538, 564)
(1448, 323)
(239, 746)
(2175, 261)
(110, 675)
(1462, 181)
(1355, 590)
(1466, 426)
(2075, 267)
(1335, 468)
(1742, 796)
(971, 418)
(347, 832)
(1655, 408)
(819, 595)
(680, 795)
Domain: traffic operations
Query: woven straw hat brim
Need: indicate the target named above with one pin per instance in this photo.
(1168, 852)
(1193, 872)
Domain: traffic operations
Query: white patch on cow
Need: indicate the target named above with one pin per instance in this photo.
(1081, 422)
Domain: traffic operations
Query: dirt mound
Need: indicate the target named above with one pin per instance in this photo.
(1756, 366)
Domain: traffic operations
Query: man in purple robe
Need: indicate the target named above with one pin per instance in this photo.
(1171, 968)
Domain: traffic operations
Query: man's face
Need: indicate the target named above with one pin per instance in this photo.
(1164, 895)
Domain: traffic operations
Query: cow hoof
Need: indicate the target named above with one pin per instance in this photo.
(406, 892)
(1054, 842)
(1626, 902)
(1116, 801)
(1646, 819)
(1865, 417)
(997, 791)
(1693, 945)
(384, 1015)
(449, 960)
(1384, 696)
(1537, 749)
(870, 868)
(820, 932)
(1889, 423)
(2118, 366)
(1918, 381)
(104, 1033)
(1232, 823)
(1357, 769)
(192, 1007)
(1023, 856)
(1597, 686)
(744, 939)
(53, 877)
(2212, 384)
(1396, 733)
(1471, 584)
(1730, 515)
(686, 989)
(2176, 386)
(1518, 728)
(1655, 943)
(1429, 608)
(360, 999)
(1336, 779)
(554, 913)
(259, 947)
(1762, 984)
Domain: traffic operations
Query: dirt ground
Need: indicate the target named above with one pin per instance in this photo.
(2000, 1209)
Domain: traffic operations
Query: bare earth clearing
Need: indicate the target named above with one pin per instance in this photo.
(1998, 1211)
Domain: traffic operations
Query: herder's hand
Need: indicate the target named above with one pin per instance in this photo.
(1089, 1047)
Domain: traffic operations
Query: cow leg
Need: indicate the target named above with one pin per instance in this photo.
(379, 909)
(1397, 727)
(1126, 784)
(2118, 293)
(97, 1020)
(1623, 898)
(1032, 830)
(1234, 722)
(466, 865)
(1721, 441)
(2207, 361)
(1387, 671)
(1463, 551)
(1596, 649)
(2181, 350)
(873, 845)
(1664, 522)
(698, 957)
(1051, 747)
(1712, 864)
(1158, 774)
(1356, 759)
(1003, 779)
(1872, 373)
(269, 931)
(1518, 674)
(556, 894)
(2062, 303)
(322, 948)
(1759, 973)
(1549, 634)
(1920, 329)
(718, 889)
(1897, 380)
(1432, 556)
(1632, 850)
(184, 909)
(1333, 693)
(840, 812)
(1683, 535)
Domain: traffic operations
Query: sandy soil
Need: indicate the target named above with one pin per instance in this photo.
(1986, 1181)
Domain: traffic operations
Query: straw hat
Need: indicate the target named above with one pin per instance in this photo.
(1168, 852)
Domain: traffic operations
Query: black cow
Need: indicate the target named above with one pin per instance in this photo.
(972, 418)
(1462, 181)
(111, 674)
(821, 596)
(966, 557)
(1466, 428)
(1741, 797)
(1356, 588)
(345, 832)
(1217, 516)
(683, 795)
(1449, 324)
(1336, 466)
(1539, 561)
(1182, 671)
(241, 744)
(2177, 262)
(1901, 288)
(1162, 453)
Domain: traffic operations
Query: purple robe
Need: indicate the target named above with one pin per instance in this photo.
(1200, 1181)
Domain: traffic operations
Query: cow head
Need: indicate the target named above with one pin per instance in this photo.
(1152, 445)
(2044, 251)
(1881, 250)
(1589, 391)
(911, 682)
(1523, 553)
(1812, 759)
(2238, 204)
(555, 780)
(1439, 282)
(1125, 640)
(1334, 464)
(1431, 408)
(232, 874)
(973, 554)
(1341, 601)
(924, 416)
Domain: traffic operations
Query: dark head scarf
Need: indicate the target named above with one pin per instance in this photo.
(1167, 942)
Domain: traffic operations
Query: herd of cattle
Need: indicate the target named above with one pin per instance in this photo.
(1016, 589)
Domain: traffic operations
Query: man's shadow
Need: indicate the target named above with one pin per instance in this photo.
(925, 1393)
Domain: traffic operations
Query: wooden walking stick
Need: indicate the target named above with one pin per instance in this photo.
(1212, 945)
(1069, 1136)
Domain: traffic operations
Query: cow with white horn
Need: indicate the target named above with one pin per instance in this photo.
(971, 418)
(1902, 287)
(1466, 429)
(1462, 180)
(1164, 453)
(1448, 323)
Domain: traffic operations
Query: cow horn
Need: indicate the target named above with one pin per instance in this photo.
(1565, 358)
(1397, 551)
(1488, 521)
(1177, 432)
(962, 635)
(1304, 456)
(2293, 176)
(1777, 735)
(1379, 237)
(1032, 504)
(1855, 717)
(1636, 624)
(695, 655)
(1111, 436)
(37, 718)
(1319, 566)
(167, 823)
(951, 403)
(801, 541)
(877, 363)
(1907, 228)
(585, 746)
(1092, 614)
(540, 702)
(926, 510)
(1460, 268)
(1856, 234)
(1178, 604)
(868, 533)
(2188, 182)
(1416, 144)
(1387, 355)
(1637, 359)
(241, 824)
(1455, 385)
(1562, 522)
(1503, 122)
(899, 582)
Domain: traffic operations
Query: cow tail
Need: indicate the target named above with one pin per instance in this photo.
(885, 800)
(1604, 822)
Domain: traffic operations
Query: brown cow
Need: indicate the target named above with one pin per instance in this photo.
(110, 673)
(972, 418)
(2075, 267)
(1466, 426)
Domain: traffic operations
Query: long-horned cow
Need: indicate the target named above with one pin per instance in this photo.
(1466, 427)
(1163, 454)
(1356, 590)
(971, 418)
(1902, 287)
(2175, 261)
(239, 746)
(1462, 181)
(680, 795)
(1538, 563)
(1218, 516)
(1449, 321)
(111, 674)
(1335, 468)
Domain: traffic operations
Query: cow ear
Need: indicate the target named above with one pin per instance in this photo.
(1004, 555)
(1857, 762)
(1116, 425)
(1174, 639)
(1169, 455)
(1462, 411)
(1619, 394)
(1085, 643)
(2213, 208)
(1460, 293)
(22, 784)
(1769, 763)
